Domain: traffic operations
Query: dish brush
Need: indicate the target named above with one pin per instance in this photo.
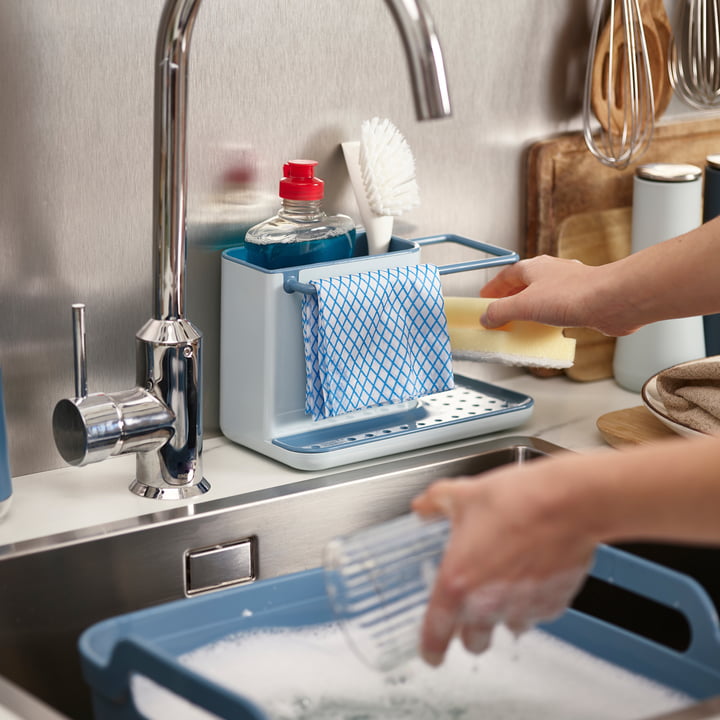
(382, 173)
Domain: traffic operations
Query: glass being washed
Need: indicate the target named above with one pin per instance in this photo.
(378, 582)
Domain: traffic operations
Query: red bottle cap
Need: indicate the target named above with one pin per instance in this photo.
(300, 182)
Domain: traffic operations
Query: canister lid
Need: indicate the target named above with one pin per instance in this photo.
(668, 172)
(713, 161)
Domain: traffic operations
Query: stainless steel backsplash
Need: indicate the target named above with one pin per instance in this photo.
(290, 78)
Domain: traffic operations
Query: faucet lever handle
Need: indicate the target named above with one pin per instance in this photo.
(79, 349)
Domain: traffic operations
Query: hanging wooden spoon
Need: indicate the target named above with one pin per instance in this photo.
(609, 110)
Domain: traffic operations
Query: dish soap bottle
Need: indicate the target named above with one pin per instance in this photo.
(301, 233)
(5, 479)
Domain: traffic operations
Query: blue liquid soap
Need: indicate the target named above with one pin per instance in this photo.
(301, 233)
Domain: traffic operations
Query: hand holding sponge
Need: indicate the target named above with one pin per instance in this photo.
(520, 342)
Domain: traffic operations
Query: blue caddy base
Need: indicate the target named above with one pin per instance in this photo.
(149, 642)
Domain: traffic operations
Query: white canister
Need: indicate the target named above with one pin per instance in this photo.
(667, 201)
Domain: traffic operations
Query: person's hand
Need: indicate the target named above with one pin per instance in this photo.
(513, 556)
(557, 291)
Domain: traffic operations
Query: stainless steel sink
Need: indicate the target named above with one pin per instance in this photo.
(55, 587)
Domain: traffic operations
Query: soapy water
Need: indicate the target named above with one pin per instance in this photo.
(310, 673)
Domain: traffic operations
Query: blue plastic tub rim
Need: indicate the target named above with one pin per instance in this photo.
(148, 642)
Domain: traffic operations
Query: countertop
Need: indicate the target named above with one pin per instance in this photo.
(70, 499)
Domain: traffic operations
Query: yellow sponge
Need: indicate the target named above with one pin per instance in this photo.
(528, 344)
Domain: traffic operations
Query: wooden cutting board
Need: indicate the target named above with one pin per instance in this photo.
(632, 426)
(579, 208)
(563, 178)
(594, 238)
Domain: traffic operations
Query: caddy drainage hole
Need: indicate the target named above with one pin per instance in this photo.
(459, 404)
(447, 407)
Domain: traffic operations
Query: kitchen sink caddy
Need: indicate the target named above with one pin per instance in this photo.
(149, 643)
(262, 368)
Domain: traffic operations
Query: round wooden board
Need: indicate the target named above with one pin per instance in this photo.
(632, 426)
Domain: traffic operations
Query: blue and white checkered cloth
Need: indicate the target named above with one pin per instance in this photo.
(375, 338)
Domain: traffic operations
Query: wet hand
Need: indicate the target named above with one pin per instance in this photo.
(509, 559)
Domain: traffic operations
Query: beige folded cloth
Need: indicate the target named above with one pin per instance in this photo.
(691, 394)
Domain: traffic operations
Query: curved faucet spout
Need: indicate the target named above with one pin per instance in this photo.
(170, 169)
(425, 58)
(432, 100)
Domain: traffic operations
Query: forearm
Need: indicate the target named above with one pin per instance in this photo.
(523, 537)
(676, 278)
(664, 492)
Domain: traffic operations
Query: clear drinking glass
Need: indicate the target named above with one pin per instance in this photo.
(379, 580)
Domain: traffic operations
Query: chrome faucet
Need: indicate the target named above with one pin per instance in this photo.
(160, 419)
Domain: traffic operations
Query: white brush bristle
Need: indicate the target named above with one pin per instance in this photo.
(388, 168)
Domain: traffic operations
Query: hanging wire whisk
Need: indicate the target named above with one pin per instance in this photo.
(694, 59)
(618, 85)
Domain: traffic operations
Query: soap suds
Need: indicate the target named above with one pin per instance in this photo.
(311, 674)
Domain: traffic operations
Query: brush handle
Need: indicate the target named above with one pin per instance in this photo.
(377, 227)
